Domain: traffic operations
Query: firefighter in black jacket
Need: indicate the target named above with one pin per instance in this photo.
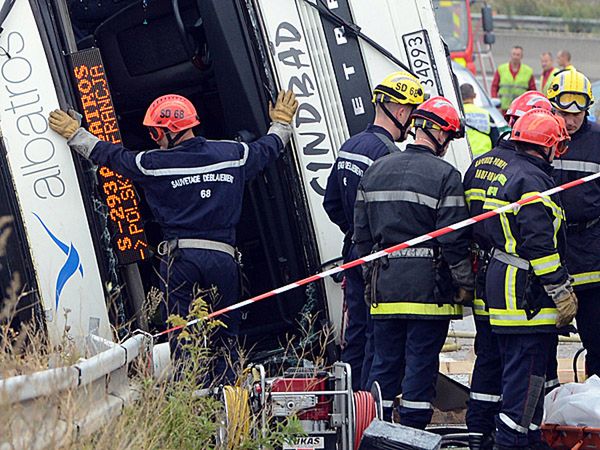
(486, 389)
(527, 288)
(414, 292)
(571, 94)
(395, 99)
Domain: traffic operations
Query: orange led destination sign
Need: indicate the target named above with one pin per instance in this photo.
(118, 192)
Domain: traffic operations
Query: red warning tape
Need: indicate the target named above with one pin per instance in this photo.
(387, 251)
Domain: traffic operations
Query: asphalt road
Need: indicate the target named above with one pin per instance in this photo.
(585, 49)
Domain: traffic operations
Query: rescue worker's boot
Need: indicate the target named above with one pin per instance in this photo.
(480, 441)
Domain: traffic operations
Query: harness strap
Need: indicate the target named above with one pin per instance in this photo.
(387, 142)
(511, 260)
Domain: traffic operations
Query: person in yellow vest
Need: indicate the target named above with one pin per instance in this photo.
(548, 71)
(478, 122)
(512, 79)
(563, 59)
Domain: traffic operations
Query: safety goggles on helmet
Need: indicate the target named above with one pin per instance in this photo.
(561, 148)
(570, 91)
(156, 133)
(572, 101)
(544, 129)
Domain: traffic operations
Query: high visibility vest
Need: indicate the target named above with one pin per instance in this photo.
(509, 87)
(478, 126)
(544, 86)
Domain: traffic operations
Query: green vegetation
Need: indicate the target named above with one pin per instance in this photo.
(567, 9)
(167, 414)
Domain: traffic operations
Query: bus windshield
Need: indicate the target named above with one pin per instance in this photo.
(452, 19)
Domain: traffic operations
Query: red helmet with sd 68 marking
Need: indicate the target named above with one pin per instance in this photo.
(173, 112)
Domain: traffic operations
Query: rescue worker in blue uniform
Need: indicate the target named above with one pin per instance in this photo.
(394, 98)
(527, 287)
(416, 291)
(570, 93)
(485, 395)
(194, 188)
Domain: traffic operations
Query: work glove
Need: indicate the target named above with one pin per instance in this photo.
(464, 296)
(285, 108)
(565, 300)
(65, 124)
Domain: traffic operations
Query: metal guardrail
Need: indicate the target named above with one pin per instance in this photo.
(539, 23)
(52, 408)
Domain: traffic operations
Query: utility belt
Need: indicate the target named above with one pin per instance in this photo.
(170, 246)
(479, 253)
(415, 252)
(374, 267)
(578, 227)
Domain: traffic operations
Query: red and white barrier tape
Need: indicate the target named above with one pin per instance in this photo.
(387, 251)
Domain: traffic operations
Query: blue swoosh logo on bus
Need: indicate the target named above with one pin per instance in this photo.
(70, 266)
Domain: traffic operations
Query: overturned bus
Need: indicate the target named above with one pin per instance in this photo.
(82, 239)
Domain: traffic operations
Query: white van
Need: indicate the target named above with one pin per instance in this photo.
(229, 57)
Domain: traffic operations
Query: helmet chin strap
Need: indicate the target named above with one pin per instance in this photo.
(543, 154)
(400, 126)
(503, 135)
(174, 140)
(439, 148)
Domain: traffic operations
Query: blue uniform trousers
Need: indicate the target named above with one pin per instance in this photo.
(524, 358)
(588, 319)
(357, 350)
(407, 361)
(486, 387)
(205, 269)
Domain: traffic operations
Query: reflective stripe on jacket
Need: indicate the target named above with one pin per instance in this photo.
(533, 237)
(582, 205)
(195, 189)
(478, 178)
(355, 156)
(402, 196)
(479, 126)
(511, 87)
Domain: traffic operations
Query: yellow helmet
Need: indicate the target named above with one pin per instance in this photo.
(570, 91)
(399, 87)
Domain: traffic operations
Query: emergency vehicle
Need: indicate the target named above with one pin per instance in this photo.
(82, 239)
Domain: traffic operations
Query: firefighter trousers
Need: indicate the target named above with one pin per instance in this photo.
(358, 346)
(486, 384)
(407, 361)
(186, 269)
(524, 360)
(588, 318)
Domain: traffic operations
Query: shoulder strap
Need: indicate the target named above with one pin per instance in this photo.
(387, 142)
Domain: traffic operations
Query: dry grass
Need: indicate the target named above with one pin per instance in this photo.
(165, 415)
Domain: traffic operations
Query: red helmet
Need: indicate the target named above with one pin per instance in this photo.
(541, 127)
(525, 102)
(439, 114)
(173, 112)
